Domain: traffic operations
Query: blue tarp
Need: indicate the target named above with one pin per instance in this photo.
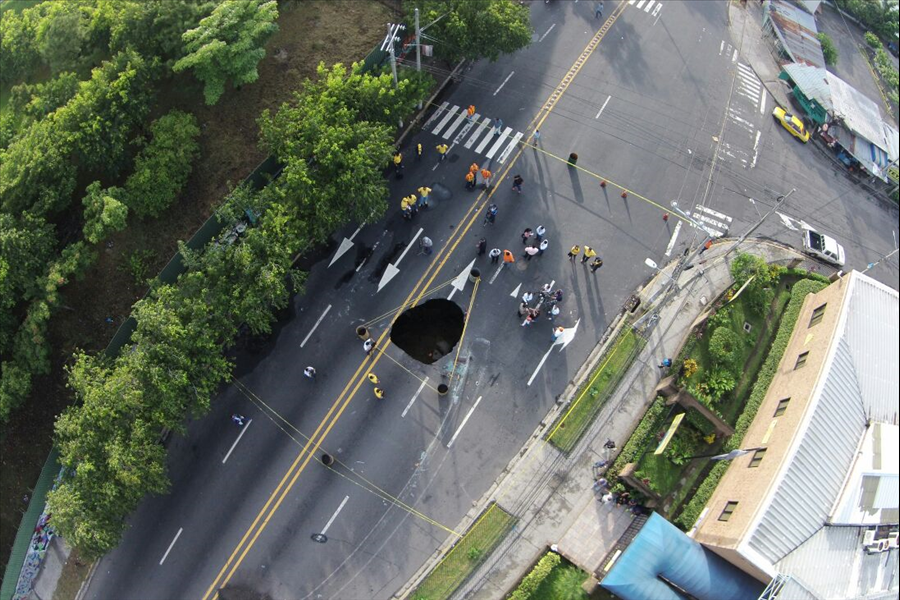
(661, 551)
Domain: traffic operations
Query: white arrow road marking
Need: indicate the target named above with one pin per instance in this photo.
(511, 73)
(306, 339)
(672, 240)
(788, 222)
(243, 431)
(334, 516)
(346, 244)
(391, 271)
(515, 292)
(180, 529)
(563, 340)
(459, 284)
(463, 424)
(416, 395)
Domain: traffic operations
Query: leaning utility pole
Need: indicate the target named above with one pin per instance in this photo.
(388, 44)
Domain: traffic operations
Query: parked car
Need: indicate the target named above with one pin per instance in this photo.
(791, 123)
(821, 246)
(892, 46)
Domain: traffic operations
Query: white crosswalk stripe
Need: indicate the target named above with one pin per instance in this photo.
(508, 150)
(500, 139)
(459, 120)
(438, 112)
(482, 127)
(472, 131)
(447, 116)
(715, 223)
(651, 7)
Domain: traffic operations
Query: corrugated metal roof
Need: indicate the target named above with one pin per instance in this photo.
(797, 31)
(893, 140)
(843, 101)
(859, 385)
(873, 158)
(823, 563)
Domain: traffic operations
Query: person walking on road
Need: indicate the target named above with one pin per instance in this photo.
(486, 176)
(418, 151)
(530, 251)
(379, 393)
(474, 168)
(498, 127)
(536, 136)
(238, 419)
(539, 232)
(481, 246)
(598, 9)
(508, 257)
(310, 373)
(425, 245)
(544, 245)
(490, 215)
(373, 378)
(470, 180)
(442, 150)
(589, 253)
(574, 252)
(526, 234)
(424, 191)
(598, 262)
(558, 331)
(553, 312)
(495, 255)
(398, 164)
(471, 112)
(368, 346)
(517, 183)
(527, 297)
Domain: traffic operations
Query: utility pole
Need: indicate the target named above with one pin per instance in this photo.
(780, 200)
(418, 50)
(388, 44)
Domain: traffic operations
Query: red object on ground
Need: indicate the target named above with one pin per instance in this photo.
(665, 216)
(603, 183)
(624, 194)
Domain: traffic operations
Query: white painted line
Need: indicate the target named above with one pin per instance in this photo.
(721, 49)
(463, 424)
(750, 84)
(515, 292)
(180, 529)
(755, 149)
(508, 150)
(711, 221)
(631, 1)
(746, 70)
(497, 272)
(541, 39)
(484, 142)
(303, 343)
(734, 57)
(446, 118)
(673, 238)
(434, 115)
(416, 395)
(240, 435)
(762, 102)
(334, 516)
(408, 246)
(500, 139)
(540, 364)
(716, 214)
(640, 4)
(788, 222)
(511, 73)
(453, 126)
(649, 4)
(481, 127)
(656, 12)
(602, 107)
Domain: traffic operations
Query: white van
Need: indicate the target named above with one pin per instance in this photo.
(823, 247)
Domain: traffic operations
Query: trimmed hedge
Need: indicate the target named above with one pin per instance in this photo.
(538, 574)
(704, 492)
(645, 430)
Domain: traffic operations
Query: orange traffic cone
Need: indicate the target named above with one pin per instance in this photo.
(624, 194)
(603, 183)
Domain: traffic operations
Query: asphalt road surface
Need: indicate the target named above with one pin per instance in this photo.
(663, 107)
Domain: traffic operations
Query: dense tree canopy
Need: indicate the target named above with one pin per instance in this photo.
(228, 44)
(472, 29)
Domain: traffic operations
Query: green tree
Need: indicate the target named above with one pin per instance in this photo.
(872, 40)
(34, 102)
(473, 29)
(62, 33)
(765, 276)
(725, 349)
(18, 48)
(828, 48)
(164, 165)
(103, 212)
(153, 27)
(229, 44)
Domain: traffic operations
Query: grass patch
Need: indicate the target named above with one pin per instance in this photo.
(563, 583)
(662, 472)
(468, 553)
(572, 424)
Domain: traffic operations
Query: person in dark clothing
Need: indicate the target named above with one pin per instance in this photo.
(481, 246)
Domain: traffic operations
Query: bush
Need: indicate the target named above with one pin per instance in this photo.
(872, 40)
(686, 442)
(828, 48)
(692, 509)
(646, 430)
(719, 382)
(725, 349)
(758, 292)
(103, 213)
(537, 575)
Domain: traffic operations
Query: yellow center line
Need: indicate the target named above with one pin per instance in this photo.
(346, 395)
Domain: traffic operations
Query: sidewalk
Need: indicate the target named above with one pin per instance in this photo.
(756, 47)
(551, 494)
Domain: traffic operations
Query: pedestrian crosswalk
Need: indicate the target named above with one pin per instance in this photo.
(477, 134)
(651, 7)
(714, 223)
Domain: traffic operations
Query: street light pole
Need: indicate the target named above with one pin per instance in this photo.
(779, 201)
(730, 456)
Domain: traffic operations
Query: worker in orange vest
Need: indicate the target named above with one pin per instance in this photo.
(486, 175)
(471, 112)
(508, 257)
(470, 180)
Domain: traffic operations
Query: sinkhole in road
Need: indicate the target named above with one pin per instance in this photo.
(429, 331)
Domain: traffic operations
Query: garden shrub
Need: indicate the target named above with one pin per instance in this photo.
(828, 48)
(720, 381)
(801, 289)
(686, 442)
(758, 292)
(537, 575)
(724, 349)
(635, 445)
(872, 40)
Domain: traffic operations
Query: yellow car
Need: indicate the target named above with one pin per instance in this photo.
(791, 123)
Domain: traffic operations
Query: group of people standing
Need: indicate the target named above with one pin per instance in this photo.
(410, 204)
